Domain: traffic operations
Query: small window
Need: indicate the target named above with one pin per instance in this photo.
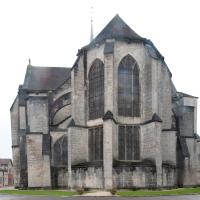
(128, 137)
(95, 143)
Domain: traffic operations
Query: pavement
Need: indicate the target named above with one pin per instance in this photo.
(15, 197)
(98, 194)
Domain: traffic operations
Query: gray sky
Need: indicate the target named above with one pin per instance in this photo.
(51, 31)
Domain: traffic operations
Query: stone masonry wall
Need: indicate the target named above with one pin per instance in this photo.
(15, 122)
(198, 162)
(115, 142)
(22, 117)
(191, 164)
(62, 178)
(91, 177)
(135, 177)
(46, 171)
(151, 147)
(79, 145)
(38, 123)
(168, 143)
(187, 121)
(16, 166)
(108, 131)
(64, 124)
(147, 93)
(189, 101)
(63, 89)
(38, 164)
(168, 177)
(62, 114)
(14, 112)
(34, 160)
(37, 111)
(148, 142)
(165, 97)
(78, 94)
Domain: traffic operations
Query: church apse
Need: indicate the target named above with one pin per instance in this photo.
(112, 120)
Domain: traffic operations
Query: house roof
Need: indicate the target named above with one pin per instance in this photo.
(45, 78)
(5, 161)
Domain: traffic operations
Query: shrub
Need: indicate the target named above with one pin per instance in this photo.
(113, 191)
(80, 191)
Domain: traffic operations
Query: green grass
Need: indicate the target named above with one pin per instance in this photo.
(163, 192)
(123, 193)
(57, 193)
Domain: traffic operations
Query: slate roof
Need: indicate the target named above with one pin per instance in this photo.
(115, 29)
(45, 78)
(5, 161)
(181, 94)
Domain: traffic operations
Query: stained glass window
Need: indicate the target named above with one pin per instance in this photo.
(129, 143)
(95, 143)
(60, 152)
(96, 90)
(128, 88)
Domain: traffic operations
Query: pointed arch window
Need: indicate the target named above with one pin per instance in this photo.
(128, 87)
(60, 152)
(96, 90)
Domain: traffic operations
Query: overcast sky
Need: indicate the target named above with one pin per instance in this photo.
(50, 32)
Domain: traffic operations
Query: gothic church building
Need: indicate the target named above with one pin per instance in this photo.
(112, 120)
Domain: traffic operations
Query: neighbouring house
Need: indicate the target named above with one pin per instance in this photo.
(6, 172)
(112, 120)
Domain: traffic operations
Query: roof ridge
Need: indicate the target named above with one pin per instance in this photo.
(117, 28)
(49, 67)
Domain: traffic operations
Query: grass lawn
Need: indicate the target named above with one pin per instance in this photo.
(142, 193)
(57, 193)
(122, 193)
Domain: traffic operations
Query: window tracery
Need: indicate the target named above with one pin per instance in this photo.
(128, 88)
(96, 90)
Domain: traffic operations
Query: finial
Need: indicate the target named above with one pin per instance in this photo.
(29, 61)
(91, 33)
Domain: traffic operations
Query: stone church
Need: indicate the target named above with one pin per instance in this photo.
(112, 120)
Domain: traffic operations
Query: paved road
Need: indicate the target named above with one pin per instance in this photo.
(12, 197)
